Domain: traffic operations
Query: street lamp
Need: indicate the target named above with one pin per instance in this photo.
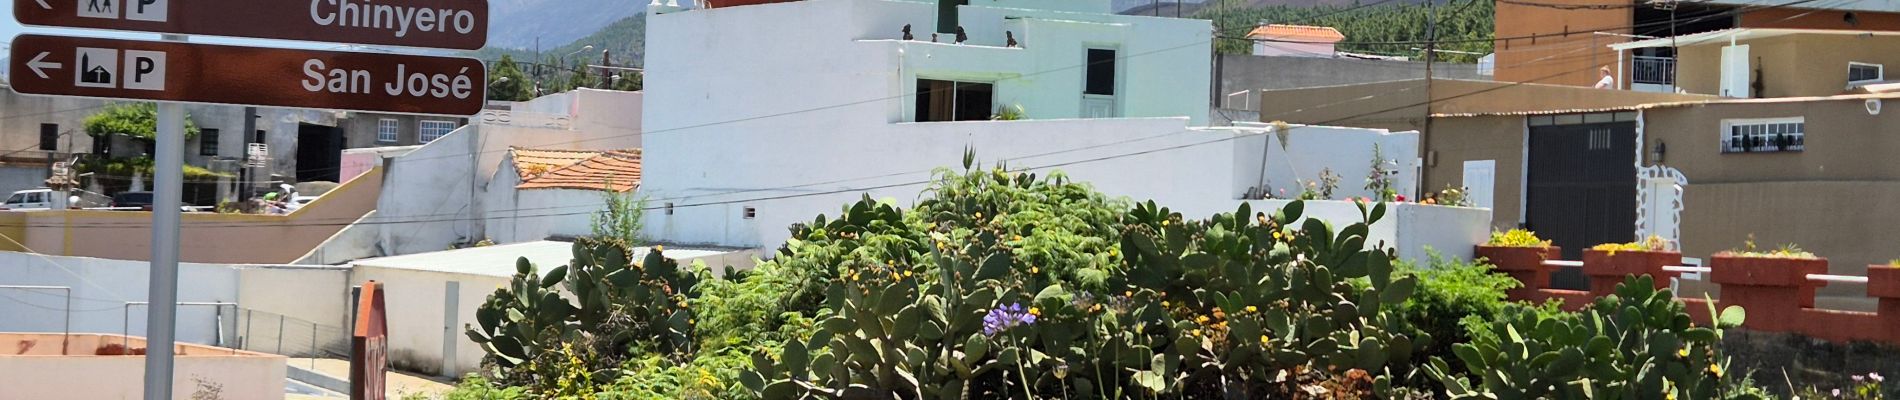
(564, 57)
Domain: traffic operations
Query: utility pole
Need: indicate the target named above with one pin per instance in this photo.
(1431, 57)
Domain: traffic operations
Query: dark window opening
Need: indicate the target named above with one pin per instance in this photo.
(207, 142)
(669, 208)
(939, 101)
(1101, 72)
(751, 213)
(49, 137)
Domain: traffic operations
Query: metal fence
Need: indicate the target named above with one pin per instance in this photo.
(1654, 70)
(267, 332)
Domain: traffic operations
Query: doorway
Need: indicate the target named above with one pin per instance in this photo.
(319, 153)
(1581, 185)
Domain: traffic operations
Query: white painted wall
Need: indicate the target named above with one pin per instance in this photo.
(1309, 150)
(1408, 228)
(415, 301)
(101, 287)
(243, 375)
(436, 196)
(516, 216)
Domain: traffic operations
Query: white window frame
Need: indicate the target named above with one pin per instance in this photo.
(388, 130)
(1879, 75)
(424, 135)
(1767, 127)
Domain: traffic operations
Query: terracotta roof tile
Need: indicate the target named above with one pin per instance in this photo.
(613, 170)
(1301, 33)
(531, 162)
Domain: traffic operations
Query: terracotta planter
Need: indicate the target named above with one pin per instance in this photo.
(1773, 290)
(1609, 268)
(1526, 264)
(1883, 281)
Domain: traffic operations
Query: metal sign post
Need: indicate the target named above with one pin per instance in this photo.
(168, 180)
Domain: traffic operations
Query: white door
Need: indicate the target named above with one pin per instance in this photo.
(1663, 207)
(1735, 71)
(1481, 182)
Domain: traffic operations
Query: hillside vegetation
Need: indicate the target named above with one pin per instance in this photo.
(1459, 23)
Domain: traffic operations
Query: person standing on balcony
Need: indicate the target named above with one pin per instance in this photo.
(1608, 81)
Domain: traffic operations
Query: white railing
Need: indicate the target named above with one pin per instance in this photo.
(1654, 70)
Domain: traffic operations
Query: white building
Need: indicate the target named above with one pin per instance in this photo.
(762, 116)
(1295, 40)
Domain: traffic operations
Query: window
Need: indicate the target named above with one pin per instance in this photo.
(1101, 73)
(1859, 73)
(939, 101)
(386, 130)
(751, 213)
(1763, 135)
(432, 130)
(207, 142)
(49, 137)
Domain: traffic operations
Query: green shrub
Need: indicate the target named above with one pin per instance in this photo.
(1451, 291)
(1636, 344)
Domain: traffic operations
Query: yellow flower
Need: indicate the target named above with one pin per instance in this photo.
(1196, 332)
(1716, 369)
(1035, 270)
(1264, 340)
(907, 273)
(1019, 237)
(896, 276)
(855, 276)
(1035, 311)
(682, 304)
(1201, 319)
(1096, 308)
(1253, 309)
(1684, 352)
(659, 248)
(1164, 303)
(1164, 222)
(1276, 235)
(1129, 293)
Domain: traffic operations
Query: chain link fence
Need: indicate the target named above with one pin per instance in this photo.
(267, 332)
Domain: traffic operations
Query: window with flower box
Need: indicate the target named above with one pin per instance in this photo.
(1764, 135)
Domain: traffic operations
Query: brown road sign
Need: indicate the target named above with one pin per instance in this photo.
(450, 24)
(202, 73)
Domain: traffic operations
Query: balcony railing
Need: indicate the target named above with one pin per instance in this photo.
(1654, 70)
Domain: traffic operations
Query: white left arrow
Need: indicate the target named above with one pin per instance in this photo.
(43, 4)
(39, 63)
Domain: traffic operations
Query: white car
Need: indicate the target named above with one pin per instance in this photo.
(34, 199)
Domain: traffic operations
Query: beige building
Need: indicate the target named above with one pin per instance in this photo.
(1757, 63)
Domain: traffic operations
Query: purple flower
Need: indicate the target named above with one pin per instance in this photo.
(1003, 318)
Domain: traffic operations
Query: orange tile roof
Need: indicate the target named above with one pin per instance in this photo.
(530, 162)
(1300, 33)
(613, 170)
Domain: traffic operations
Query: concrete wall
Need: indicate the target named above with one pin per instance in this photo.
(1411, 229)
(1791, 65)
(1252, 72)
(21, 129)
(1311, 149)
(100, 289)
(198, 371)
(206, 237)
(1401, 105)
(279, 126)
(516, 216)
(438, 192)
(360, 128)
(1497, 138)
(416, 303)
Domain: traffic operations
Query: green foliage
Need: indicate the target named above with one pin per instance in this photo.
(1010, 113)
(1516, 238)
(1379, 180)
(1008, 293)
(1450, 292)
(537, 338)
(139, 120)
(621, 220)
(475, 387)
(141, 166)
(582, 77)
(1634, 344)
(506, 82)
(1463, 26)
(1787, 250)
(1323, 188)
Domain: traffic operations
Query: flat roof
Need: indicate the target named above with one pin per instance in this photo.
(1723, 36)
(499, 260)
(1669, 104)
